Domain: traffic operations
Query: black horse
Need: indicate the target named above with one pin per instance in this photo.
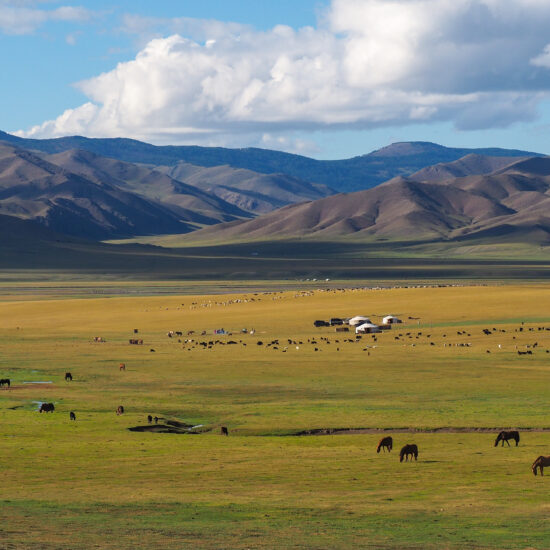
(385, 443)
(5, 382)
(47, 407)
(68, 377)
(72, 415)
(505, 436)
(408, 450)
(149, 418)
(224, 430)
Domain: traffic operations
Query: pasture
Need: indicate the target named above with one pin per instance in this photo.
(94, 483)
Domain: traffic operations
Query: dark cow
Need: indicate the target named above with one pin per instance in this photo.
(5, 382)
(68, 377)
(408, 450)
(505, 436)
(120, 410)
(72, 415)
(47, 407)
(224, 430)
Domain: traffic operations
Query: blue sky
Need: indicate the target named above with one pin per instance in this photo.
(329, 79)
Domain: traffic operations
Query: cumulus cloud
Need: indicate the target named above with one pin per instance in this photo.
(368, 63)
(18, 17)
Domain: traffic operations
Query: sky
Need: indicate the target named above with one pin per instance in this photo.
(322, 78)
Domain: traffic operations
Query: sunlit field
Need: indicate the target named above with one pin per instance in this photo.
(436, 380)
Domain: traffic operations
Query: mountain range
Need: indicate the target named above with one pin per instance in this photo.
(512, 201)
(104, 189)
(356, 173)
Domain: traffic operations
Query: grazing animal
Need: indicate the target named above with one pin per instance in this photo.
(408, 450)
(47, 407)
(149, 419)
(122, 366)
(152, 349)
(156, 419)
(505, 436)
(72, 415)
(5, 382)
(136, 331)
(120, 410)
(224, 430)
(385, 443)
(68, 377)
(540, 463)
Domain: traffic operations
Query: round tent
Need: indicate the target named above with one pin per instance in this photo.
(358, 320)
(367, 328)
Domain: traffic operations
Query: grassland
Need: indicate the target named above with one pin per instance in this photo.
(92, 483)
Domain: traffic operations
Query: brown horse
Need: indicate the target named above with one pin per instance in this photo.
(385, 443)
(122, 366)
(505, 436)
(408, 450)
(540, 463)
(120, 410)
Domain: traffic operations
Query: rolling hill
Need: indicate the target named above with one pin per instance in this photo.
(250, 191)
(361, 172)
(32, 188)
(513, 201)
(188, 202)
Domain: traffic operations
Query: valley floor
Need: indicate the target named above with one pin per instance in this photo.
(437, 380)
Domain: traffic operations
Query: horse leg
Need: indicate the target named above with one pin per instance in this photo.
(506, 442)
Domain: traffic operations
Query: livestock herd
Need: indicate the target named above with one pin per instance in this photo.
(386, 443)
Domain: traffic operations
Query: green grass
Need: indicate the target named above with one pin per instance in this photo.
(92, 483)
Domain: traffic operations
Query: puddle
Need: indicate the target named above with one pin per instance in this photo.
(171, 427)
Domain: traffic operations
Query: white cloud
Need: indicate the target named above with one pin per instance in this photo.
(17, 18)
(369, 63)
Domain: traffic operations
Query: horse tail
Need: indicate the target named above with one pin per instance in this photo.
(517, 437)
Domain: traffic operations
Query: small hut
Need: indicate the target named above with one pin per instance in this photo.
(390, 320)
(367, 328)
(358, 320)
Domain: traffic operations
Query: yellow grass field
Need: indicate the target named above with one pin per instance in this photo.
(437, 380)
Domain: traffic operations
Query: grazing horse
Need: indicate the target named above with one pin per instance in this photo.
(122, 366)
(72, 415)
(224, 430)
(505, 436)
(408, 450)
(47, 407)
(68, 377)
(540, 463)
(5, 382)
(120, 410)
(385, 443)
(149, 418)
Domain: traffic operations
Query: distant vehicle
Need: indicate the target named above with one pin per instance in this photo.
(321, 324)
(336, 321)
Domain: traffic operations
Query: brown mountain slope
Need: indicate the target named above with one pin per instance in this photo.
(513, 199)
(188, 202)
(250, 191)
(32, 188)
(466, 166)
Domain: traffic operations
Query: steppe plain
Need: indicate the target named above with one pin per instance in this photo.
(94, 483)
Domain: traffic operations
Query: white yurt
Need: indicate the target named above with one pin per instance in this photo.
(390, 320)
(358, 320)
(367, 328)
